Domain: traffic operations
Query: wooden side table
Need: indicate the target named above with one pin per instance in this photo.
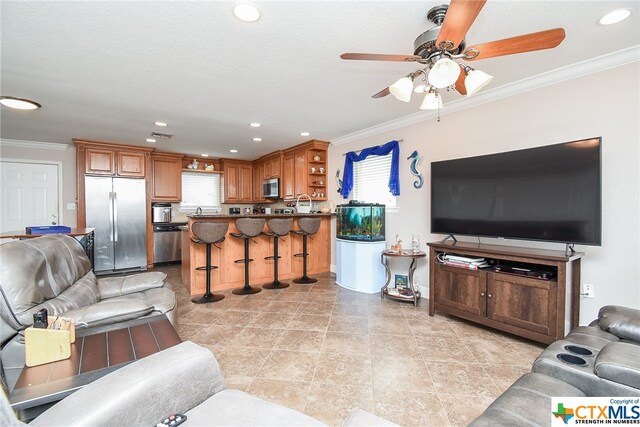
(412, 268)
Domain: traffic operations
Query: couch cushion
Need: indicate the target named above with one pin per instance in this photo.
(591, 336)
(623, 322)
(234, 407)
(526, 402)
(620, 362)
(163, 300)
(110, 310)
(37, 270)
(121, 285)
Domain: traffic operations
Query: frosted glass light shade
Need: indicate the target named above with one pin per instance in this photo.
(444, 73)
(402, 89)
(432, 101)
(475, 81)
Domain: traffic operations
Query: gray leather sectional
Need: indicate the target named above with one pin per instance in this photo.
(53, 272)
(602, 359)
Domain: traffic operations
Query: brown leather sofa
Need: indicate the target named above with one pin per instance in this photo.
(53, 272)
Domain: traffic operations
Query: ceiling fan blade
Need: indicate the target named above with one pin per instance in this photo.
(460, 86)
(460, 15)
(380, 57)
(525, 43)
(382, 93)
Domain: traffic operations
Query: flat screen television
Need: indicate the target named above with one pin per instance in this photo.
(550, 193)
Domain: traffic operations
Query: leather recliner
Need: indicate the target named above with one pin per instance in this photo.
(53, 272)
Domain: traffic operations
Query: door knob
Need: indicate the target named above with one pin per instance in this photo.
(53, 222)
(489, 295)
(482, 294)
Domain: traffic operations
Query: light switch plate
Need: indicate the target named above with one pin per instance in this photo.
(71, 206)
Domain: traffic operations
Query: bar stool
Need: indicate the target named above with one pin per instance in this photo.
(308, 227)
(279, 227)
(209, 233)
(248, 228)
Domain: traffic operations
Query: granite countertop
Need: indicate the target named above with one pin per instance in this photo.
(271, 215)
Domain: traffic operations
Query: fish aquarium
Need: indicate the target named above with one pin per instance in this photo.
(361, 222)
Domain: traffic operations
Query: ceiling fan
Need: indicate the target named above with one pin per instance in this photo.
(438, 47)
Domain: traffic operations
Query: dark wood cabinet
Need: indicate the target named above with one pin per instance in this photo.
(103, 161)
(166, 170)
(288, 176)
(541, 309)
(238, 181)
(304, 170)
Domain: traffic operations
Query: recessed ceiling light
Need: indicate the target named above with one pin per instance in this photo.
(255, 125)
(304, 133)
(233, 151)
(204, 155)
(257, 139)
(151, 140)
(19, 103)
(247, 12)
(163, 124)
(615, 16)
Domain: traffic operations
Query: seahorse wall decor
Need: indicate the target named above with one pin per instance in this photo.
(416, 160)
(338, 181)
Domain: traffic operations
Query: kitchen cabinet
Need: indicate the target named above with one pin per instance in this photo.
(166, 170)
(114, 162)
(541, 309)
(258, 173)
(272, 165)
(238, 181)
(304, 170)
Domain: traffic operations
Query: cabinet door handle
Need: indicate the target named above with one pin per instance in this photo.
(482, 294)
(489, 295)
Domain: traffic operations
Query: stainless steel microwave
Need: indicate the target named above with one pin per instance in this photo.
(271, 188)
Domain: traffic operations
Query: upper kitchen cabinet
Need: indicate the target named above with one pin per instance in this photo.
(238, 181)
(272, 165)
(166, 169)
(304, 170)
(100, 158)
(258, 173)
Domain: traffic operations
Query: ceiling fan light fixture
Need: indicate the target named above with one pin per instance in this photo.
(402, 89)
(476, 80)
(432, 101)
(19, 103)
(444, 73)
(615, 16)
(421, 88)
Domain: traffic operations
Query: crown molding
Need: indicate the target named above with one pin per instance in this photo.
(33, 144)
(579, 69)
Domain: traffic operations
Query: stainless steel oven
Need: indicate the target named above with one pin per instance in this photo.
(166, 243)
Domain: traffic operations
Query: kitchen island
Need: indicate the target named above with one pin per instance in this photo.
(231, 275)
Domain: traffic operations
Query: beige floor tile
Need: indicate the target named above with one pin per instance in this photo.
(344, 309)
(289, 365)
(294, 287)
(394, 346)
(271, 320)
(410, 408)
(282, 306)
(466, 329)
(241, 361)
(321, 297)
(402, 374)
(444, 349)
(332, 403)
(300, 340)
(248, 304)
(219, 335)
(427, 329)
(309, 322)
(238, 382)
(257, 337)
(235, 318)
(341, 342)
(461, 378)
(503, 376)
(291, 296)
(337, 368)
(186, 330)
(462, 414)
(292, 394)
(348, 324)
(496, 353)
(529, 349)
(389, 325)
(200, 316)
(316, 307)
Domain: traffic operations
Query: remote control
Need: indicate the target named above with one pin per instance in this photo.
(172, 420)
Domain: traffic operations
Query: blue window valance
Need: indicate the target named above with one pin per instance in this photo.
(392, 147)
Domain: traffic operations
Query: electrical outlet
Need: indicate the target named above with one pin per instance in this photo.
(587, 290)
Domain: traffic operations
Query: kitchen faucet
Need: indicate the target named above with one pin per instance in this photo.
(199, 211)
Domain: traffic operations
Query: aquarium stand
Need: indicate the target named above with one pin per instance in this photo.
(357, 265)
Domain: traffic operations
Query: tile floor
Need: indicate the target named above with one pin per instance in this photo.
(325, 350)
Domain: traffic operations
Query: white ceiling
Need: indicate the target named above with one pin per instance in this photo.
(107, 70)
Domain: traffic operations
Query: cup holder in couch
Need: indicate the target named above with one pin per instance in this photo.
(578, 350)
(570, 359)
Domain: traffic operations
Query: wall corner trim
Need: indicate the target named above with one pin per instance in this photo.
(33, 144)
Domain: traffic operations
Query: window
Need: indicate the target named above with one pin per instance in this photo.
(371, 180)
(200, 190)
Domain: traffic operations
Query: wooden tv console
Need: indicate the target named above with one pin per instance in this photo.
(540, 309)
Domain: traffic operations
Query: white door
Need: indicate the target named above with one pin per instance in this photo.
(29, 195)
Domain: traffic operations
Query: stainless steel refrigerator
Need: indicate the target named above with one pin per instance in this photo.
(116, 208)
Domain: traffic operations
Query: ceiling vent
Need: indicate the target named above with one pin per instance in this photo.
(161, 135)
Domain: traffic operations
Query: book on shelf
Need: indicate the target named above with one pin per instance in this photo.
(469, 260)
(468, 266)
